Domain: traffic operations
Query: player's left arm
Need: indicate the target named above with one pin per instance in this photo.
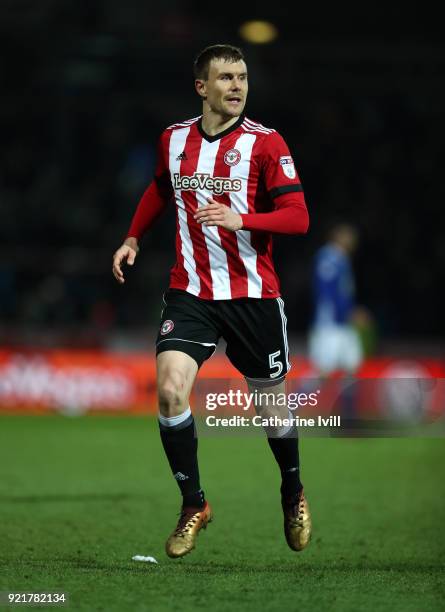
(215, 213)
(290, 215)
(281, 181)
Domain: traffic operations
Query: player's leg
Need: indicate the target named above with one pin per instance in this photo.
(283, 441)
(261, 354)
(283, 438)
(176, 372)
(184, 341)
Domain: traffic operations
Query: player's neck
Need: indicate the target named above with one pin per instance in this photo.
(213, 123)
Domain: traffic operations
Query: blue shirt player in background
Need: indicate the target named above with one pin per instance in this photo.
(334, 344)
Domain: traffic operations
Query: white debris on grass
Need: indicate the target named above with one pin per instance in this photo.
(144, 559)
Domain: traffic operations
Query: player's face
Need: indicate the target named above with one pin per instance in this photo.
(226, 88)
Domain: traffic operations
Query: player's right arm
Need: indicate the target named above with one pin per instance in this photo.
(125, 254)
(151, 205)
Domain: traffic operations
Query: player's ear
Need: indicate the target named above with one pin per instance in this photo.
(201, 89)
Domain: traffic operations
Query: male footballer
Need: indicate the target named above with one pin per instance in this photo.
(234, 184)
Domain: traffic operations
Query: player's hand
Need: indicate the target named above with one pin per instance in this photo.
(126, 253)
(215, 213)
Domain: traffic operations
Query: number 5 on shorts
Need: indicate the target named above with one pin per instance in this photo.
(274, 363)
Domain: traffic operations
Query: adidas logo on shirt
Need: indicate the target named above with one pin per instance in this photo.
(181, 157)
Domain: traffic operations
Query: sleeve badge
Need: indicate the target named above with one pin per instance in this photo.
(288, 167)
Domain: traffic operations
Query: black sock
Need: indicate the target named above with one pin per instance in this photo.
(285, 451)
(181, 447)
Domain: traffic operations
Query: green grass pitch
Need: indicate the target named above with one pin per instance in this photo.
(79, 497)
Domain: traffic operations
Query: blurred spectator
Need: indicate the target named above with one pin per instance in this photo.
(334, 343)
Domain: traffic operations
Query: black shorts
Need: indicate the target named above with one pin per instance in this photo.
(254, 329)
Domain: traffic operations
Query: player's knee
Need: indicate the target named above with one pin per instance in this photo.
(171, 394)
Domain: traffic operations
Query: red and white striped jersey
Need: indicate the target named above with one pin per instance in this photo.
(247, 167)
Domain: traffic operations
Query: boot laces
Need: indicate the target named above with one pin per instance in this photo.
(297, 513)
(187, 520)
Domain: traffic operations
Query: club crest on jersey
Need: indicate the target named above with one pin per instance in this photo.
(288, 167)
(167, 327)
(216, 184)
(232, 157)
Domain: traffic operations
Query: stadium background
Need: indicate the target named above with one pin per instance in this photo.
(86, 90)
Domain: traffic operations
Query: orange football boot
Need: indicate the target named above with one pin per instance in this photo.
(191, 521)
